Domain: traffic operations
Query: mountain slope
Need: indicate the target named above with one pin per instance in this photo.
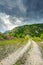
(32, 30)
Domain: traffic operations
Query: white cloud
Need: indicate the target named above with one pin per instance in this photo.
(7, 25)
(8, 22)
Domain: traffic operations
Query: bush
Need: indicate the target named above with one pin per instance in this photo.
(41, 36)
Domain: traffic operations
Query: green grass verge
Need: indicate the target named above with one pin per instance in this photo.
(13, 41)
(37, 39)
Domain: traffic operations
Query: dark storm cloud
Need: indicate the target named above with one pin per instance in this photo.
(34, 8)
(12, 7)
(20, 12)
(22, 8)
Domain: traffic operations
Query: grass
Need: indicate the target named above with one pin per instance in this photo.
(13, 41)
(37, 39)
(9, 46)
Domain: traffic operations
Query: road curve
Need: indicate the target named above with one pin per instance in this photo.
(14, 57)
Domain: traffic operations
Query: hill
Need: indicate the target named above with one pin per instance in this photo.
(34, 30)
(28, 30)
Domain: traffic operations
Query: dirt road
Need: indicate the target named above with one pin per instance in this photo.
(34, 55)
(12, 59)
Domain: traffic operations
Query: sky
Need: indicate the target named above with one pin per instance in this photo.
(15, 13)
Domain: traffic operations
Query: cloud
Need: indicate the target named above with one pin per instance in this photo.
(21, 8)
(8, 22)
(20, 12)
(12, 7)
(5, 24)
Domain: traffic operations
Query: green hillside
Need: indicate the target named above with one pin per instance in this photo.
(34, 30)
